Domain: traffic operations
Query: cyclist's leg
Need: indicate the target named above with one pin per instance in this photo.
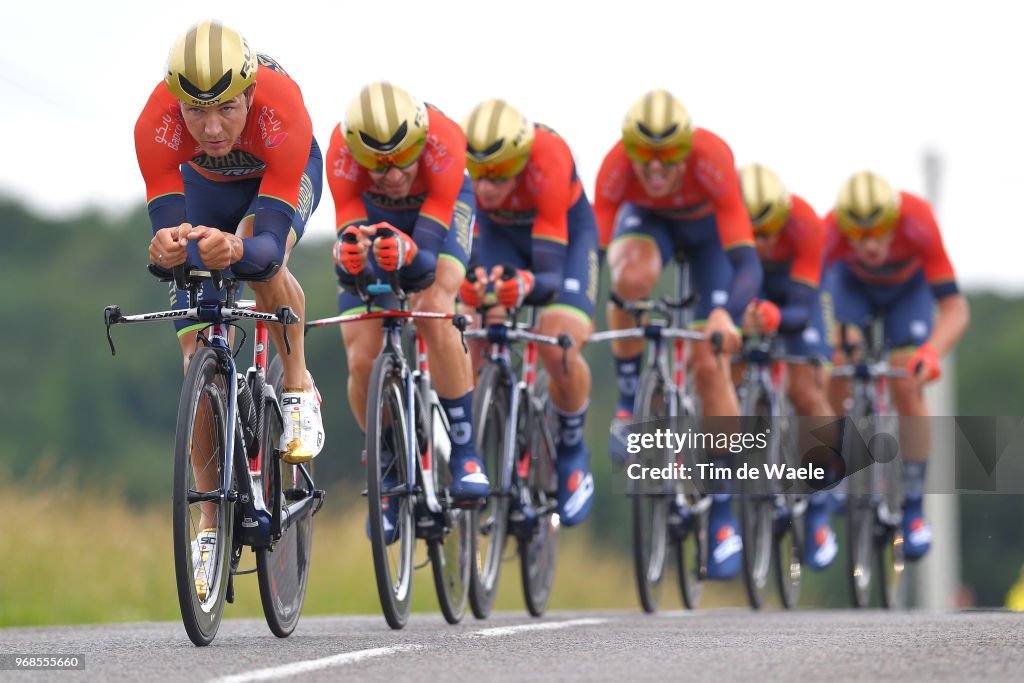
(450, 366)
(303, 436)
(640, 247)
(907, 325)
(569, 385)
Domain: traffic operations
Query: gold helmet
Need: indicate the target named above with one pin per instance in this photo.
(657, 127)
(867, 206)
(385, 126)
(498, 139)
(210, 64)
(765, 197)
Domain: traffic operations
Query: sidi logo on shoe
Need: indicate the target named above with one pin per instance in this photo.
(461, 433)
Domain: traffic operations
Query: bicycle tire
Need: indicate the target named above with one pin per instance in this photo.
(538, 550)
(650, 508)
(691, 550)
(451, 554)
(202, 414)
(490, 417)
(283, 569)
(757, 514)
(889, 547)
(386, 430)
(860, 512)
(790, 538)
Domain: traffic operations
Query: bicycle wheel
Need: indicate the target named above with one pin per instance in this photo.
(789, 536)
(889, 540)
(490, 417)
(283, 569)
(860, 510)
(757, 508)
(691, 548)
(538, 549)
(452, 554)
(386, 461)
(200, 457)
(650, 506)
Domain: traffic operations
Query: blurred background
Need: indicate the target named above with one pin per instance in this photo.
(85, 468)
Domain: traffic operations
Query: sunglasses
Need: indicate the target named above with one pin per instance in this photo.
(874, 232)
(382, 163)
(667, 156)
(496, 173)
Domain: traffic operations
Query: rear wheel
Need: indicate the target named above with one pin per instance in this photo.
(891, 562)
(757, 508)
(651, 503)
(692, 545)
(860, 510)
(452, 554)
(490, 416)
(789, 537)
(388, 487)
(283, 569)
(200, 459)
(539, 548)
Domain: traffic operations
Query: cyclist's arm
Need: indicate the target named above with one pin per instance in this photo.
(950, 323)
(550, 233)
(548, 261)
(808, 235)
(162, 144)
(609, 191)
(953, 314)
(796, 314)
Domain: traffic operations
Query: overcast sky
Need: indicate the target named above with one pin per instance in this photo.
(815, 90)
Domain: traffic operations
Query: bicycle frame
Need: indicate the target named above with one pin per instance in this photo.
(258, 527)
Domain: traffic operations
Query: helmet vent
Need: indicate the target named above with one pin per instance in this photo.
(213, 93)
(657, 136)
(385, 147)
(482, 154)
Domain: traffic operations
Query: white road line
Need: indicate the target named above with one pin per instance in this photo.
(545, 626)
(312, 664)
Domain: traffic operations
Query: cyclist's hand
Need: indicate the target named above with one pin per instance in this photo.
(217, 249)
(167, 248)
(720, 321)
(393, 252)
(513, 291)
(472, 292)
(750, 322)
(768, 317)
(924, 364)
(351, 256)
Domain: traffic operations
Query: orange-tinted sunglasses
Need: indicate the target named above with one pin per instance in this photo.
(874, 232)
(496, 173)
(404, 159)
(668, 156)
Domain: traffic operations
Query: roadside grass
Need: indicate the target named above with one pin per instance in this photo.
(72, 555)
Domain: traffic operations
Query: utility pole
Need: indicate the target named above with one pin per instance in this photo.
(938, 574)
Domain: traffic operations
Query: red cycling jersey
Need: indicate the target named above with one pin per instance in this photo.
(274, 146)
(439, 178)
(916, 244)
(545, 190)
(801, 243)
(709, 185)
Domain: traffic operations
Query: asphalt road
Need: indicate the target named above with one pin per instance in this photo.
(713, 645)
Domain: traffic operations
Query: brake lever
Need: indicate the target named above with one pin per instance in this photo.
(566, 343)
(112, 316)
(461, 322)
(287, 317)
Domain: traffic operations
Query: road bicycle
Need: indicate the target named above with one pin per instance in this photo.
(771, 513)
(227, 466)
(408, 448)
(668, 514)
(515, 429)
(874, 479)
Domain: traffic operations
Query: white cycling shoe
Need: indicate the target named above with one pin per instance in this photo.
(203, 548)
(303, 435)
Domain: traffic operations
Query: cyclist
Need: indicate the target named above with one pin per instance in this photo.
(667, 187)
(232, 174)
(398, 162)
(535, 216)
(885, 253)
(790, 242)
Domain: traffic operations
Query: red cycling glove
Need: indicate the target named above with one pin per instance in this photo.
(927, 359)
(347, 255)
(513, 291)
(770, 316)
(394, 251)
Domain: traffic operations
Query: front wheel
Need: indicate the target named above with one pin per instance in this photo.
(651, 506)
(757, 507)
(389, 494)
(200, 502)
(490, 418)
(283, 569)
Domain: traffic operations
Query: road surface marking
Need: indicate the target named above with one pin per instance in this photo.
(312, 664)
(547, 626)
